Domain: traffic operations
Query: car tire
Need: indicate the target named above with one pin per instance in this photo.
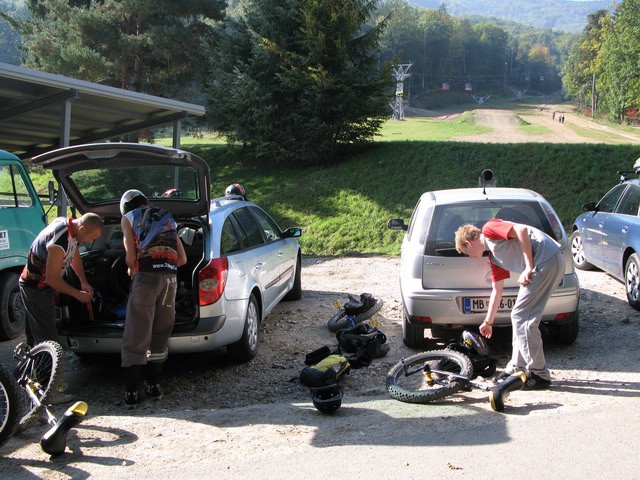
(412, 335)
(12, 311)
(296, 291)
(577, 252)
(632, 281)
(565, 333)
(247, 347)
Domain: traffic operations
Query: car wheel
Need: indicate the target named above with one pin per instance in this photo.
(566, 333)
(247, 347)
(296, 291)
(577, 252)
(412, 335)
(631, 280)
(12, 312)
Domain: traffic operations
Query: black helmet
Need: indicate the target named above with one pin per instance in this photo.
(474, 342)
(327, 399)
(236, 189)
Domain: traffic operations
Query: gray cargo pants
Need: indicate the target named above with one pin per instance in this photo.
(150, 318)
(527, 352)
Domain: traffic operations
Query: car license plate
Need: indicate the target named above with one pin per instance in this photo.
(481, 304)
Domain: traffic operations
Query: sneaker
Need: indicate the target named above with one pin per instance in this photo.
(534, 382)
(154, 392)
(131, 400)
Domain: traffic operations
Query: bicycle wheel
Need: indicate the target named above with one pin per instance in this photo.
(341, 320)
(427, 376)
(9, 405)
(42, 371)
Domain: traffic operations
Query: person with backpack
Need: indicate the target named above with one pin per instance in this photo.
(153, 253)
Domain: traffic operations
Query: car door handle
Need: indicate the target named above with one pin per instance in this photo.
(280, 253)
(259, 265)
(600, 225)
(625, 229)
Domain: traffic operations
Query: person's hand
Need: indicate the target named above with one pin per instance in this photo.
(84, 297)
(85, 287)
(525, 276)
(486, 329)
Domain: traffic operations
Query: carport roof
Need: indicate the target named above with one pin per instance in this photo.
(40, 111)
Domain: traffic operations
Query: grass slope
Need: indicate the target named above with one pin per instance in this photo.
(344, 208)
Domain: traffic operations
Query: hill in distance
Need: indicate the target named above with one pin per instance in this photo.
(563, 15)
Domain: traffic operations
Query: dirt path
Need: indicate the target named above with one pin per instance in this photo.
(507, 128)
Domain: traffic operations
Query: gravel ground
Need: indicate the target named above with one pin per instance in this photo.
(256, 421)
(295, 328)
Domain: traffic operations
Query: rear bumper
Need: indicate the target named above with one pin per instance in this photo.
(207, 335)
(445, 307)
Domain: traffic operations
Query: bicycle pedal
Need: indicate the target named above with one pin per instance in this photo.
(337, 304)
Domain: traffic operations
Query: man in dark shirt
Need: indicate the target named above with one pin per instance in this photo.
(54, 250)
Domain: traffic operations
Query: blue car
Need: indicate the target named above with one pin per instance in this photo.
(607, 236)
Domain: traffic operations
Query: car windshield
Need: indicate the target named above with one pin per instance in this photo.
(108, 184)
(447, 219)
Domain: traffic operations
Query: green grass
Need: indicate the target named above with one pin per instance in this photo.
(530, 128)
(596, 134)
(433, 129)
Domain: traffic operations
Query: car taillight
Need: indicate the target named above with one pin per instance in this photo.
(560, 316)
(212, 280)
(421, 319)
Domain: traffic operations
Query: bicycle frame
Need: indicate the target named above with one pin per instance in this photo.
(428, 372)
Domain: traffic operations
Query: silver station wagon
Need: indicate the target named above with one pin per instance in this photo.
(443, 290)
(240, 263)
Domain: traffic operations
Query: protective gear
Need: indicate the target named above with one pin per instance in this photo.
(236, 189)
(500, 392)
(127, 197)
(327, 399)
(475, 342)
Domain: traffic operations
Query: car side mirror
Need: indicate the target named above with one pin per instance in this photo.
(589, 207)
(292, 232)
(397, 224)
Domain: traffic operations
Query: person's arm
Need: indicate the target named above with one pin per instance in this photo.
(486, 329)
(131, 257)
(55, 261)
(78, 268)
(520, 233)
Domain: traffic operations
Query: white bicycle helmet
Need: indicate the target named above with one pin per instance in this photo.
(126, 200)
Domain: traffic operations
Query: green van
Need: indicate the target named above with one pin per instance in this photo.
(22, 217)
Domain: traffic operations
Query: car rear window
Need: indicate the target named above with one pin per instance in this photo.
(448, 218)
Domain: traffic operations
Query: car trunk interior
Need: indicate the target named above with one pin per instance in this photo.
(106, 271)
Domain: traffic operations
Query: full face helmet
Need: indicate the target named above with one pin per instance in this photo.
(236, 189)
(327, 399)
(128, 200)
(474, 342)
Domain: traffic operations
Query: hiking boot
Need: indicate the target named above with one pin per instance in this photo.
(154, 392)
(131, 400)
(534, 382)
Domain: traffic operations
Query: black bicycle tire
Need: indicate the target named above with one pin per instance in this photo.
(9, 405)
(341, 321)
(45, 359)
(398, 392)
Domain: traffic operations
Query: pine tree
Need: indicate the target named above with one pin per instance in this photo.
(150, 46)
(297, 80)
